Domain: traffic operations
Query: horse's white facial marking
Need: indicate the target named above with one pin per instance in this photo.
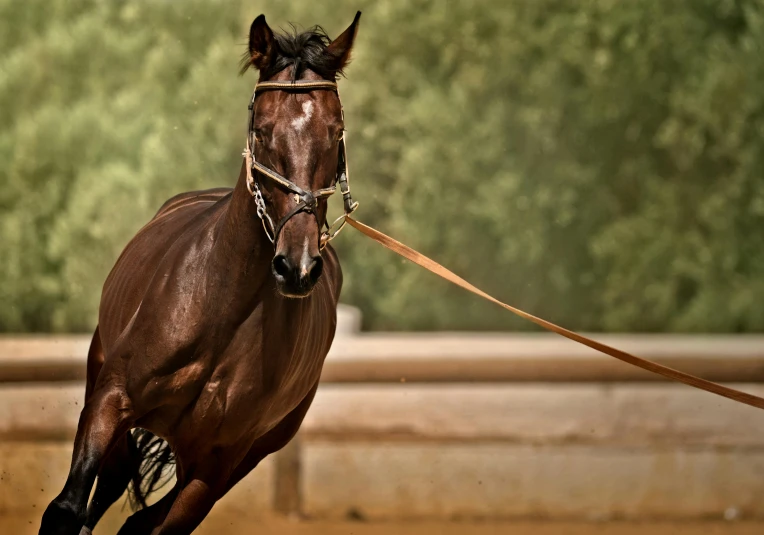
(307, 112)
(305, 261)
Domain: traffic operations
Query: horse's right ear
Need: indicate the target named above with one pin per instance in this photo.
(261, 45)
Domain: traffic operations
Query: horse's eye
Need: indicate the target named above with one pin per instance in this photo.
(258, 135)
(340, 134)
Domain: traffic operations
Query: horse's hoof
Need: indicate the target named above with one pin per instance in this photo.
(60, 520)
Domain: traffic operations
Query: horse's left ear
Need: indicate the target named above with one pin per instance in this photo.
(340, 48)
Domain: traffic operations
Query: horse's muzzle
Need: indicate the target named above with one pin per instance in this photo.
(297, 279)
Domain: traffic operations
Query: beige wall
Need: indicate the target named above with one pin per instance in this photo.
(463, 426)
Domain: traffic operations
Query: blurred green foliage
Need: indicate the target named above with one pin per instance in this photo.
(597, 163)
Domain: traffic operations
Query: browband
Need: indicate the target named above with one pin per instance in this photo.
(297, 85)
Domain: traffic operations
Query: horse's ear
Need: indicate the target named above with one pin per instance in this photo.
(340, 48)
(261, 45)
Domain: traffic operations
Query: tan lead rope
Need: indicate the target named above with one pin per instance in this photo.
(429, 264)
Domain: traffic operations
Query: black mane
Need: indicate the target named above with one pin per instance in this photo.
(300, 50)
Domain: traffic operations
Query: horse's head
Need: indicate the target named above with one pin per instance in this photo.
(295, 140)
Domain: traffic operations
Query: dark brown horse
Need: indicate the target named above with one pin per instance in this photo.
(201, 342)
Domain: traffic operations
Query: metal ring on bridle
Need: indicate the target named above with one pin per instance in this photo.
(306, 201)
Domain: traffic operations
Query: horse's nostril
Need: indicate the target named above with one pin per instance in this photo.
(281, 266)
(317, 269)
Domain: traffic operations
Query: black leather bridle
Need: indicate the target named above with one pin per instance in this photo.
(305, 201)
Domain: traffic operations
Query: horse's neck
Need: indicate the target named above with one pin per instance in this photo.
(241, 257)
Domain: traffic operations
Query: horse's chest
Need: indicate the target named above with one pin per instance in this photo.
(290, 369)
(262, 378)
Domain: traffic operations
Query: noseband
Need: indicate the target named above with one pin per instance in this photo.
(306, 201)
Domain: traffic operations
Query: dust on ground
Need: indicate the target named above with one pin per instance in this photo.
(216, 525)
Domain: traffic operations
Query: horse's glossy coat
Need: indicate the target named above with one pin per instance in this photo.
(197, 342)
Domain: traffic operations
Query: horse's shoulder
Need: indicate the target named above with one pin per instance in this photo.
(180, 219)
(173, 220)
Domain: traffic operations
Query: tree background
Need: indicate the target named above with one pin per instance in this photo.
(597, 163)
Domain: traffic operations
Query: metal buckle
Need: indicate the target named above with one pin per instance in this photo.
(331, 232)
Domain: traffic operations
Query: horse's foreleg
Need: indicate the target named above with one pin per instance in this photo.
(122, 462)
(105, 418)
(116, 472)
(193, 504)
(202, 487)
(145, 520)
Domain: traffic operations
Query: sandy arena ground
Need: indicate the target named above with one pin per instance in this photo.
(281, 526)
